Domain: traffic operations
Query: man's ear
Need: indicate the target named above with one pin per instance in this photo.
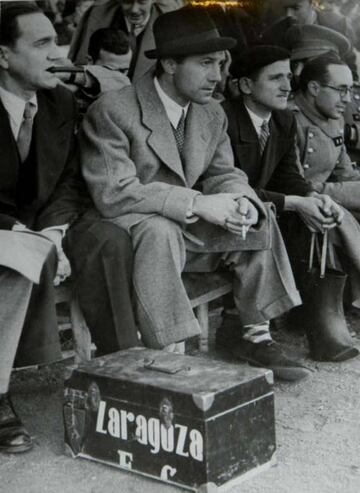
(4, 56)
(313, 88)
(245, 85)
(169, 65)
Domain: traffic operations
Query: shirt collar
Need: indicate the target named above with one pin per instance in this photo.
(257, 121)
(15, 106)
(173, 109)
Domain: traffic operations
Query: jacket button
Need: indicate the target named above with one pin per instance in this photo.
(311, 135)
(306, 166)
(310, 150)
(356, 96)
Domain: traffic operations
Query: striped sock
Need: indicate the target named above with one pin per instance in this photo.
(257, 332)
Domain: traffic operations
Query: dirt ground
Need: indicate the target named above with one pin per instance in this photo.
(317, 427)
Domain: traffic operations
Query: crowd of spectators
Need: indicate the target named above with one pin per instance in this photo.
(169, 137)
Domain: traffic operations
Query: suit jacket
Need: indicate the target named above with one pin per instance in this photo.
(57, 195)
(103, 15)
(276, 173)
(133, 168)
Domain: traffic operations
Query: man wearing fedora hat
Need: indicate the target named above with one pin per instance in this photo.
(158, 163)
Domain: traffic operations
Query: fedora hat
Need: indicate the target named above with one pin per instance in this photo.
(187, 31)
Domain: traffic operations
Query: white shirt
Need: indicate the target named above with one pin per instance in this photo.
(173, 109)
(15, 107)
(174, 112)
(257, 121)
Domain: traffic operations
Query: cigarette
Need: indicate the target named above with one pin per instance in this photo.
(323, 254)
(243, 232)
(312, 248)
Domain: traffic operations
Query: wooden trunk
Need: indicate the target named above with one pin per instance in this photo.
(194, 422)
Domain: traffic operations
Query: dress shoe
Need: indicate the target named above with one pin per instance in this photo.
(13, 436)
(267, 354)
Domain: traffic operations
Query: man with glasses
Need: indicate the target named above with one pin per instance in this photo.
(325, 90)
(263, 138)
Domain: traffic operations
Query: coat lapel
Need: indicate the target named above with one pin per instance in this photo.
(197, 138)
(270, 156)
(161, 139)
(9, 154)
(247, 151)
(50, 139)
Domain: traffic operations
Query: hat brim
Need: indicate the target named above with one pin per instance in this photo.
(305, 53)
(210, 46)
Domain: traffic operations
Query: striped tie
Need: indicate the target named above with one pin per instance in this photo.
(25, 132)
(179, 133)
(264, 135)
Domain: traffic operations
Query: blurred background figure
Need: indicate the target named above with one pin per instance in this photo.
(110, 55)
(134, 17)
(71, 16)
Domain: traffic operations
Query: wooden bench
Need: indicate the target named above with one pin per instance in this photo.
(201, 289)
(65, 293)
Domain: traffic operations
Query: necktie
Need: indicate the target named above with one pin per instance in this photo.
(264, 135)
(25, 132)
(179, 133)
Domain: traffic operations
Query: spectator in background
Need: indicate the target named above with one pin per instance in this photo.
(135, 17)
(72, 13)
(306, 13)
(110, 53)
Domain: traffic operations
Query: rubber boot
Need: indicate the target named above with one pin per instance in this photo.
(323, 317)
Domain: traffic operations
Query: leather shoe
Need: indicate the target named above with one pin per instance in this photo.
(13, 436)
(267, 354)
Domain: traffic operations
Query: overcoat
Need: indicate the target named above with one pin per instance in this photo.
(133, 168)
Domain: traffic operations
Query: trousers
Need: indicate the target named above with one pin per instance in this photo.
(101, 259)
(263, 283)
(28, 324)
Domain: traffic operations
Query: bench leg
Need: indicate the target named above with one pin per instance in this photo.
(202, 314)
(81, 333)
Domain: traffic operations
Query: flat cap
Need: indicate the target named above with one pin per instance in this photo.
(257, 58)
(310, 41)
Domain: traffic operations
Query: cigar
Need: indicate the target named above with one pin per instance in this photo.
(65, 69)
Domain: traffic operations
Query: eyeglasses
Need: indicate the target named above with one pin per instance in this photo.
(343, 91)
